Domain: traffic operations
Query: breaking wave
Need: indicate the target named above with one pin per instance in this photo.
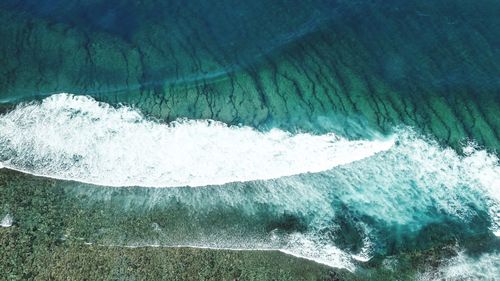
(321, 197)
(77, 138)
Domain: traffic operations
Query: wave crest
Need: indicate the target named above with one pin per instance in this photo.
(77, 138)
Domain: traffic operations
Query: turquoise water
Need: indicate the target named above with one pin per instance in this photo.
(360, 135)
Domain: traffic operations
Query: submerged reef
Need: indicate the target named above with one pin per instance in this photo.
(355, 67)
(62, 229)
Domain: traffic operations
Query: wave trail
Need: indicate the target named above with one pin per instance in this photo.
(77, 138)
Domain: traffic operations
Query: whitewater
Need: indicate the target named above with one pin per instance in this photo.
(405, 181)
(77, 138)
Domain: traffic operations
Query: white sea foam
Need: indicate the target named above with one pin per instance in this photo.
(78, 138)
(464, 267)
(7, 221)
(417, 174)
(301, 245)
(408, 187)
(329, 255)
(75, 137)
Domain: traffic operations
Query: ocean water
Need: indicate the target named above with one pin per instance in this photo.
(360, 137)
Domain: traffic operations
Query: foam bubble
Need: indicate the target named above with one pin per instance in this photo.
(7, 221)
(78, 138)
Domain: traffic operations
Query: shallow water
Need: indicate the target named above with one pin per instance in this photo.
(360, 135)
